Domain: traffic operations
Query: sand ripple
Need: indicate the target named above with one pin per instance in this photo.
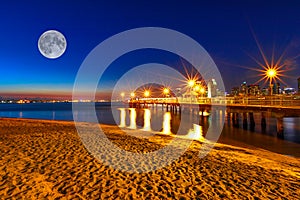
(46, 159)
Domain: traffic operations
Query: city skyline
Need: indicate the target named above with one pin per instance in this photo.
(233, 33)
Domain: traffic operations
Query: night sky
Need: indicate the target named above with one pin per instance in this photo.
(226, 29)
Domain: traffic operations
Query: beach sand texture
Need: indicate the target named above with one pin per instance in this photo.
(42, 159)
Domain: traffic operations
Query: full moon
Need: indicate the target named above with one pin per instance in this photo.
(52, 44)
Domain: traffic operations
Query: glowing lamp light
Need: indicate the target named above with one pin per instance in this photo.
(197, 88)
(147, 93)
(191, 83)
(166, 90)
(132, 94)
(271, 73)
(202, 90)
(122, 94)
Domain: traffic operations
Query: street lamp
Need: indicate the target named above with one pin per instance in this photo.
(191, 84)
(271, 73)
(122, 95)
(147, 93)
(197, 88)
(132, 95)
(202, 90)
(166, 91)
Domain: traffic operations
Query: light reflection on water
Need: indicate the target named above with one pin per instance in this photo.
(122, 117)
(132, 118)
(147, 120)
(167, 124)
(196, 126)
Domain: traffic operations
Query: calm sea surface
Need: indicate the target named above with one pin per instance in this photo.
(110, 114)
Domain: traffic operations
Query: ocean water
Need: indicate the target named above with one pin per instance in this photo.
(53, 111)
(108, 113)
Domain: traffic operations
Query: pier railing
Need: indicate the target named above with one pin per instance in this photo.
(262, 101)
(266, 101)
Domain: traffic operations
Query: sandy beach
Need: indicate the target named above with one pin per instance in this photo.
(42, 159)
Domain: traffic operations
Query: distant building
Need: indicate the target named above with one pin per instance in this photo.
(265, 91)
(178, 92)
(289, 90)
(253, 90)
(276, 88)
(235, 91)
(244, 88)
(220, 93)
(211, 88)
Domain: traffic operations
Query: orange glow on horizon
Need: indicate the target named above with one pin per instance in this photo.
(54, 95)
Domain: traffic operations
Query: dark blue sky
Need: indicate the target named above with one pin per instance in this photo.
(223, 28)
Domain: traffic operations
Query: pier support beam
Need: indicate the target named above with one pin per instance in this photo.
(252, 122)
(235, 120)
(280, 127)
(263, 122)
(245, 121)
(229, 116)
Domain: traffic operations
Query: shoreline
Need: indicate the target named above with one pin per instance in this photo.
(227, 142)
(46, 159)
(222, 140)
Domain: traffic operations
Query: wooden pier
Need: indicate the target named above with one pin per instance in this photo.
(243, 109)
(170, 106)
